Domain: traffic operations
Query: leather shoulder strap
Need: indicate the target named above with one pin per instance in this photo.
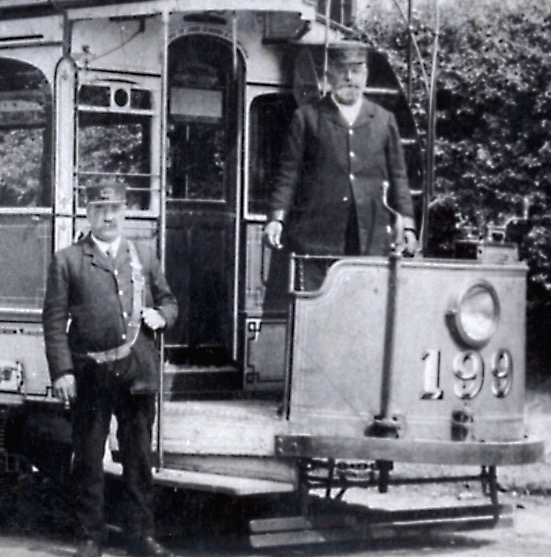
(138, 294)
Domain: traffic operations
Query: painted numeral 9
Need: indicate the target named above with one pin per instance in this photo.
(468, 369)
(502, 371)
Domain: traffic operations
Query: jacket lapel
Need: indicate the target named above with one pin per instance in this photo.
(332, 113)
(97, 258)
(366, 115)
(123, 253)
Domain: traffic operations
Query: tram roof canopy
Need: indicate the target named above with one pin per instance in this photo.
(127, 7)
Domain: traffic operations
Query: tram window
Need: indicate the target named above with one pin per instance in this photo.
(202, 105)
(198, 145)
(204, 83)
(25, 184)
(100, 95)
(115, 147)
(198, 162)
(94, 95)
(140, 99)
(25, 131)
(270, 117)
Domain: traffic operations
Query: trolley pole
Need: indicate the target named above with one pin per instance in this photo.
(431, 134)
(410, 52)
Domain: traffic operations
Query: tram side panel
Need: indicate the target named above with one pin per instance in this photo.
(337, 350)
(440, 388)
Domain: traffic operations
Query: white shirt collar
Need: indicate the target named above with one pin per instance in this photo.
(113, 246)
(349, 111)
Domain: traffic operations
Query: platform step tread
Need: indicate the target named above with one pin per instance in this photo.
(375, 524)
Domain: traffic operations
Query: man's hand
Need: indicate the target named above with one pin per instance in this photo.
(410, 242)
(272, 234)
(405, 235)
(153, 319)
(65, 388)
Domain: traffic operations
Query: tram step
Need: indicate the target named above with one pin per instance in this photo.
(375, 524)
(221, 427)
(207, 482)
(182, 382)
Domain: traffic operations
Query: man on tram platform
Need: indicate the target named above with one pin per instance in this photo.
(327, 198)
(106, 297)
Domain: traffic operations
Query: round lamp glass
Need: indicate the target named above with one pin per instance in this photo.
(477, 314)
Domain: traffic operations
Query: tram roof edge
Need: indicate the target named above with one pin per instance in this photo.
(78, 8)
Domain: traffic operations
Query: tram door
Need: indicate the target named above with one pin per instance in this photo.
(204, 113)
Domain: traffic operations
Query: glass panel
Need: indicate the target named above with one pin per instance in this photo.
(140, 99)
(269, 112)
(198, 161)
(94, 95)
(115, 148)
(204, 81)
(25, 136)
(25, 255)
(196, 104)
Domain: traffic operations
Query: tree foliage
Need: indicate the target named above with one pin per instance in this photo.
(493, 134)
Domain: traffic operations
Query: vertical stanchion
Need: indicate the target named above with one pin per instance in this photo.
(162, 222)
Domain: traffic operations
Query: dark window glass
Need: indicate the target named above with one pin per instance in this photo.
(204, 83)
(25, 136)
(94, 95)
(270, 118)
(198, 164)
(140, 99)
(115, 148)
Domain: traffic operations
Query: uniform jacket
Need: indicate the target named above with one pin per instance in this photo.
(88, 304)
(326, 165)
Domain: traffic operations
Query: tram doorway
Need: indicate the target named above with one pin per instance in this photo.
(205, 92)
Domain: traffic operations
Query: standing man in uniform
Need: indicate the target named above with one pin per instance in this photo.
(339, 151)
(106, 298)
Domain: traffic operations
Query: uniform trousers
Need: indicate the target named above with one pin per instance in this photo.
(101, 393)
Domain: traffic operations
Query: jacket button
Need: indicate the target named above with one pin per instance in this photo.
(352, 176)
(345, 199)
(121, 292)
(123, 336)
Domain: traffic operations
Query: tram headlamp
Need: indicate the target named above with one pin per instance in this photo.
(475, 314)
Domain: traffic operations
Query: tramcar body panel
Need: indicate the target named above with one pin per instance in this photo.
(441, 388)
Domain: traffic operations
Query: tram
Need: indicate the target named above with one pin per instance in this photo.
(266, 388)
